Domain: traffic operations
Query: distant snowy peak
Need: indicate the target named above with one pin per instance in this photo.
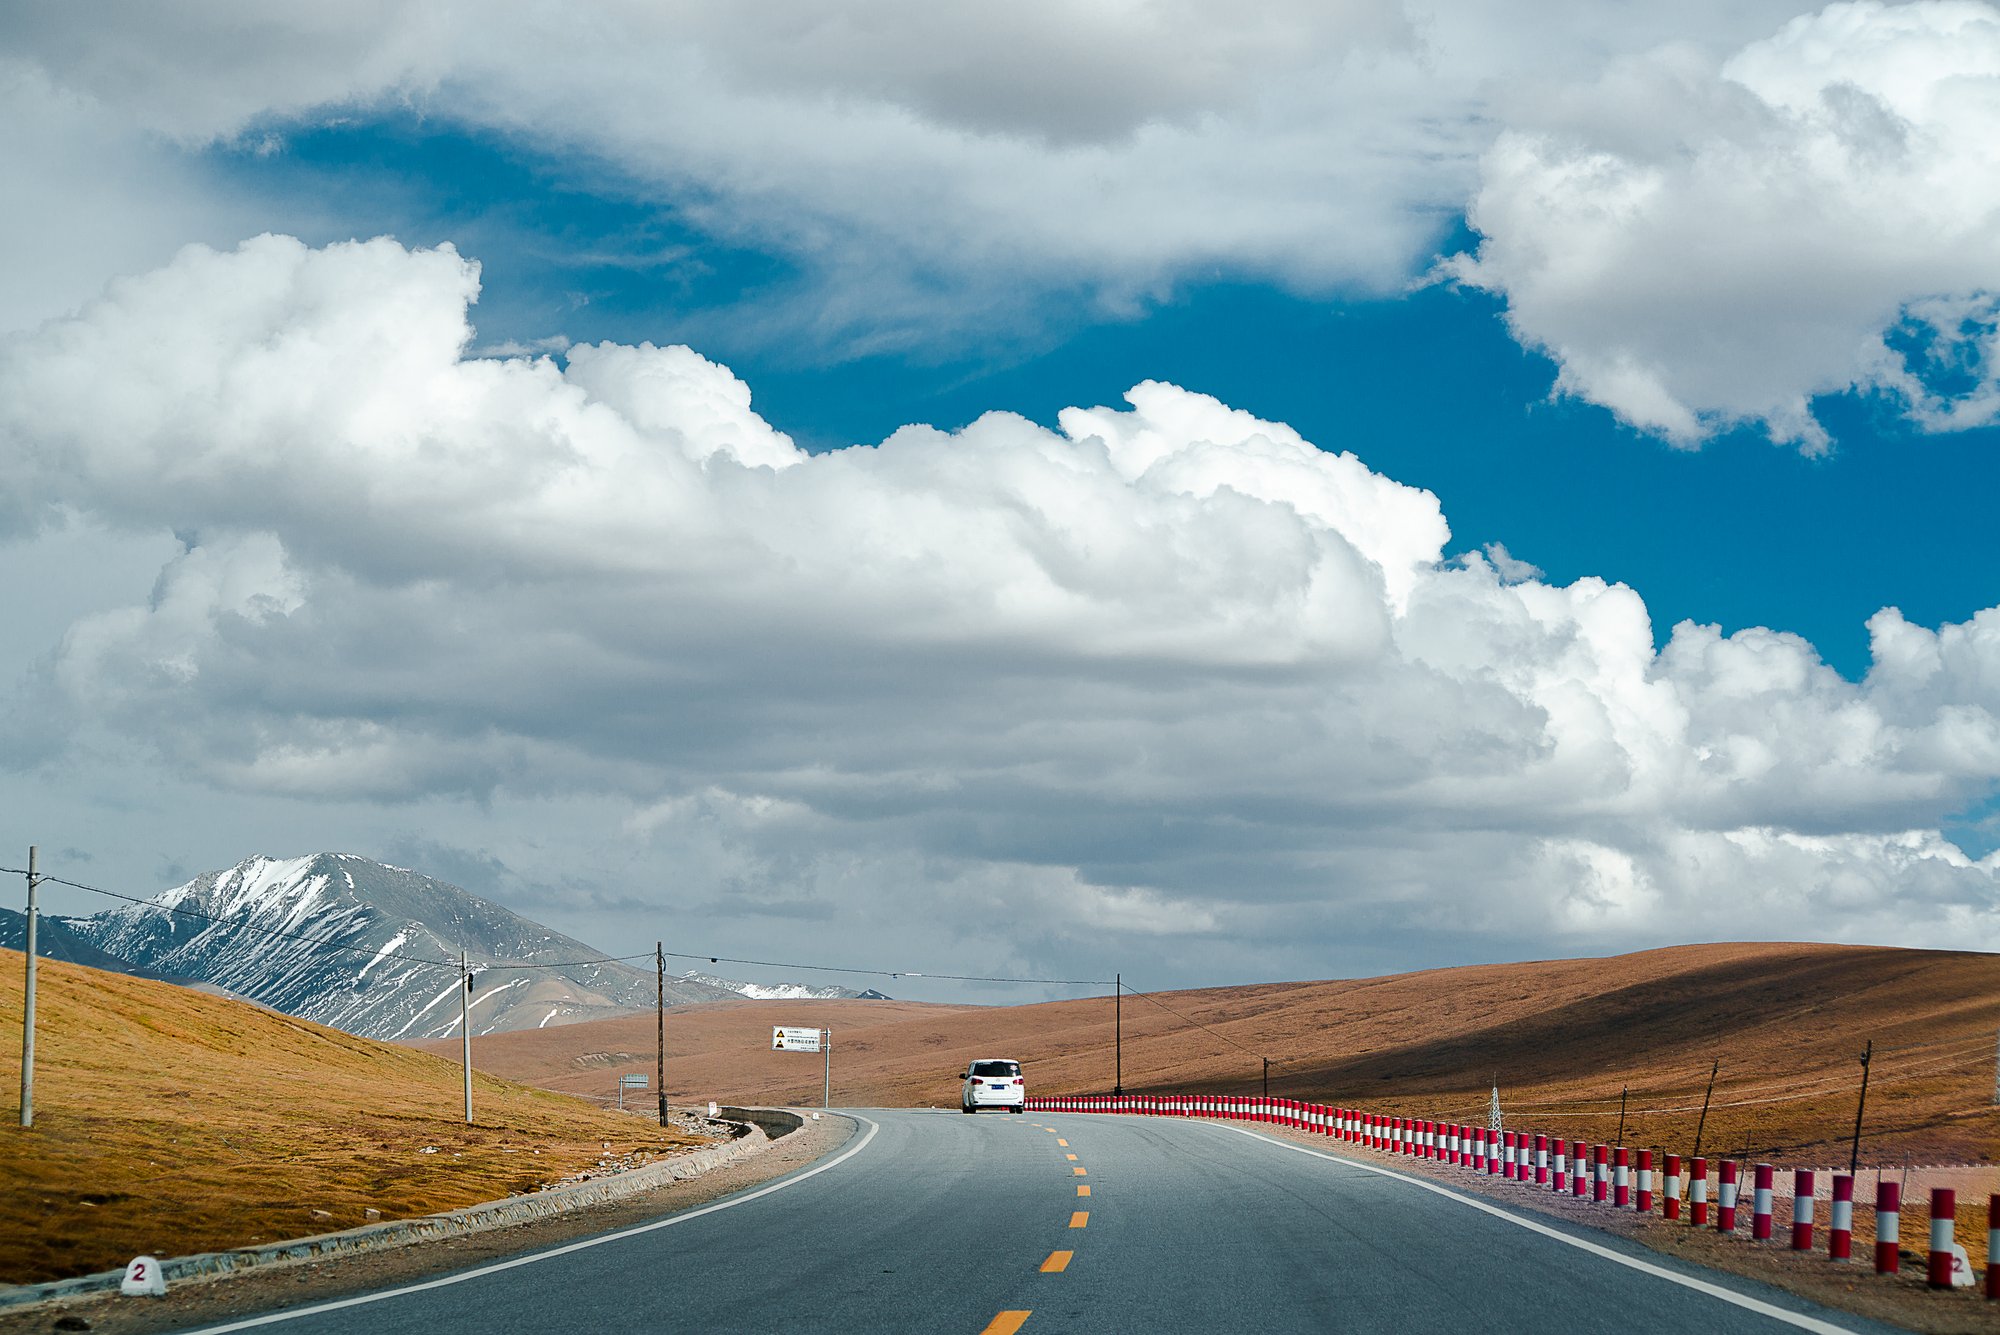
(783, 991)
(372, 949)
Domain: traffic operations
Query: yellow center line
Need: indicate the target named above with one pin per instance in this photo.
(1082, 1189)
(1060, 1141)
(1070, 1157)
(1079, 1218)
(1057, 1262)
(1079, 1172)
(1006, 1323)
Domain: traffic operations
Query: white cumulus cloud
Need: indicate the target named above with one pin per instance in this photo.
(1167, 666)
(1704, 240)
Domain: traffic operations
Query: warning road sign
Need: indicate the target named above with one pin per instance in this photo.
(785, 1039)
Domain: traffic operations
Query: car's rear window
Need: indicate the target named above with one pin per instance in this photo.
(991, 1069)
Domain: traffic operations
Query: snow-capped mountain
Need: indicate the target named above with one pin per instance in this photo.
(371, 949)
(782, 991)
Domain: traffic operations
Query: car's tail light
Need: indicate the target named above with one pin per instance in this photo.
(1017, 1080)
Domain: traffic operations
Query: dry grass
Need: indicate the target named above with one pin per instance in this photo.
(1787, 1021)
(170, 1122)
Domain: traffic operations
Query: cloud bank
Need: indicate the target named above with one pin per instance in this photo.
(1701, 241)
(1166, 671)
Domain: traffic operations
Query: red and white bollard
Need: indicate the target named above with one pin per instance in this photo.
(1509, 1148)
(1644, 1204)
(1698, 1193)
(1600, 1163)
(1673, 1186)
(1993, 1247)
(1840, 1222)
(1725, 1198)
(1579, 1169)
(1888, 1226)
(1802, 1209)
(1944, 1216)
(1541, 1159)
(1560, 1177)
(1621, 1177)
(1760, 1204)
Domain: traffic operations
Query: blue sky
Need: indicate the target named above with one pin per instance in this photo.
(1699, 304)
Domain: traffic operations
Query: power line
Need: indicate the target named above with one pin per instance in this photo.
(320, 941)
(892, 973)
(1189, 1019)
(496, 966)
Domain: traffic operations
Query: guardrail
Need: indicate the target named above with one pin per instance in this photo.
(1602, 1174)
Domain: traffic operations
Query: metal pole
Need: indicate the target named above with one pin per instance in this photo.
(1854, 1159)
(660, 975)
(1118, 1032)
(1267, 1077)
(826, 1053)
(28, 1005)
(1703, 1123)
(1621, 1114)
(465, 1027)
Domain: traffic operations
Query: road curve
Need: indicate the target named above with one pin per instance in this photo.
(930, 1221)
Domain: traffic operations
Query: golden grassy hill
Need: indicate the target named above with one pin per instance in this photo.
(168, 1121)
(1787, 1021)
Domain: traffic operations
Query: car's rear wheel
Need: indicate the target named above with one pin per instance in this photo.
(964, 1108)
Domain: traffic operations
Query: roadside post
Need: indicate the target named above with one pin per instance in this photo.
(636, 1080)
(28, 1004)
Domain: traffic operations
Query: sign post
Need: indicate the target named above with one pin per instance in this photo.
(799, 1039)
(625, 1082)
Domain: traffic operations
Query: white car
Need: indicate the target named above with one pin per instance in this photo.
(993, 1082)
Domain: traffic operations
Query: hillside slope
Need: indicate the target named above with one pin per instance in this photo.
(168, 1121)
(369, 948)
(1561, 1038)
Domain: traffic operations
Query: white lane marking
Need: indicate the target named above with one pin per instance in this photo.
(1758, 1306)
(274, 1318)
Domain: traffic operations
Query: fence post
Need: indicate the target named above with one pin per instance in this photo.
(1888, 1225)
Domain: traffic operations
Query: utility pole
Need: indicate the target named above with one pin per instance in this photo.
(660, 979)
(1702, 1125)
(1118, 1036)
(28, 1005)
(1854, 1159)
(1267, 1077)
(465, 1026)
(1622, 1094)
(826, 1049)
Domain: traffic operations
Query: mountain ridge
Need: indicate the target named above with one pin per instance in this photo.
(368, 947)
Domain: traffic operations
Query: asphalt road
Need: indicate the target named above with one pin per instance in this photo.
(936, 1222)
